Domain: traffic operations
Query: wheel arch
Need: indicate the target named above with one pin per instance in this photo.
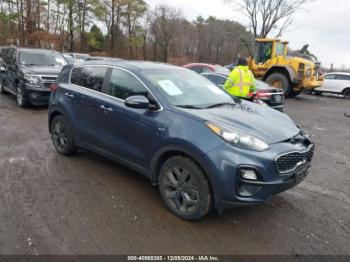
(288, 71)
(346, 89)
(52, 116)
(173, 150)
(60, 111)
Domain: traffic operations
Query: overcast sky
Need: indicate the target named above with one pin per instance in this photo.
(324, 24)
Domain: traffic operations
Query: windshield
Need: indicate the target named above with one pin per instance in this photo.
(82, 56)
(184, 88)
(41, 58)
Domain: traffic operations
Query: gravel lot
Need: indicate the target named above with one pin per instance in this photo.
(50, 204)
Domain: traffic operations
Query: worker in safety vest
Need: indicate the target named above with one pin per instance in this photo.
(241, 81)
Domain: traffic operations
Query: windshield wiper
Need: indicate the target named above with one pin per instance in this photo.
(189, 106)
(220, 104)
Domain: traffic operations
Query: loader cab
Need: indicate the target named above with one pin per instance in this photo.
(267, 49)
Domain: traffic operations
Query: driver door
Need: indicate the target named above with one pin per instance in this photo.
(127, 133)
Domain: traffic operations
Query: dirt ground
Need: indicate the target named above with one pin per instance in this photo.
(85, 204)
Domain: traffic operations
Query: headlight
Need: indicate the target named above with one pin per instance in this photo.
(32, 79)
(239, 139)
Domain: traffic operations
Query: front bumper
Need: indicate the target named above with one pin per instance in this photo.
(37, 95)
(311, 84)
(231, 190)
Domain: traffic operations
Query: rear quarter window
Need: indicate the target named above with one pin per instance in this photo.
(91, 77)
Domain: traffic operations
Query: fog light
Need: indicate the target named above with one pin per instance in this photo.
(248, 174)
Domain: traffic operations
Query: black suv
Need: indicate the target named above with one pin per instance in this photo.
(28, 73)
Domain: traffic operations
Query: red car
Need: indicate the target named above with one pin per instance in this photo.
(207, 68)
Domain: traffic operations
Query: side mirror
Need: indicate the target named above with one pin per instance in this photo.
(138, 102)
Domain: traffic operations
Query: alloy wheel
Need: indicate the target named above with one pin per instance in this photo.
(347, 94)
(59, 136)
(181, 189)
(19, 96)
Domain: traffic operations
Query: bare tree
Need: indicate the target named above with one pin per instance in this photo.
(165, 21)
(268, 15)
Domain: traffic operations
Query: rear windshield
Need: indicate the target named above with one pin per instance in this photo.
(222, 70)
(41, 58)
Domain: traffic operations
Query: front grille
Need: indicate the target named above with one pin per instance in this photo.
(46, 81)
(291, 161)
(48, 78)
(47, 85)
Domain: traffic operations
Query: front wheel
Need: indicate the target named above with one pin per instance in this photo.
(347, 94)
(20, 97)
(184, 188)
(62, 136)
(279, 80)
(2, 89)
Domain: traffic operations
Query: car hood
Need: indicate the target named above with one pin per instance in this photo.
(260, 121)
(41, 70)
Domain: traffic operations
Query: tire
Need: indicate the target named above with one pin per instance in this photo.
(184, 188)
(2, 89)
(281, 81)
(347, 93)
(20, 97)
(62, 136)
(318, 93)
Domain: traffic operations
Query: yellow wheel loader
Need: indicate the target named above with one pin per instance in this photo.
(272, 65)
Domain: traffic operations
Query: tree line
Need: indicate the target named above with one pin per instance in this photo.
(121, 28)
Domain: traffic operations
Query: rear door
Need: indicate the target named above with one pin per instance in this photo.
(127, 133)
(84, 97)
(343, 82)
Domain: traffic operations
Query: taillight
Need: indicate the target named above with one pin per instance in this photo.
(263, 95)
(53, 87)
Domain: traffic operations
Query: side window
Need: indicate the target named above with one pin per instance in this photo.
(9, 55)
(63, 77)
(123, 84)
(329, 77)
(263, 52)
(91, 77)
(343, 77)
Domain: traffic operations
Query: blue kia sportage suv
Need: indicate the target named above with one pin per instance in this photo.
(203, 148)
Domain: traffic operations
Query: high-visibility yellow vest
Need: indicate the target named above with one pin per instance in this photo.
(240, 82)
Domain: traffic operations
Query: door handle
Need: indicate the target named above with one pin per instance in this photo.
(106, 108)
(70, 95)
